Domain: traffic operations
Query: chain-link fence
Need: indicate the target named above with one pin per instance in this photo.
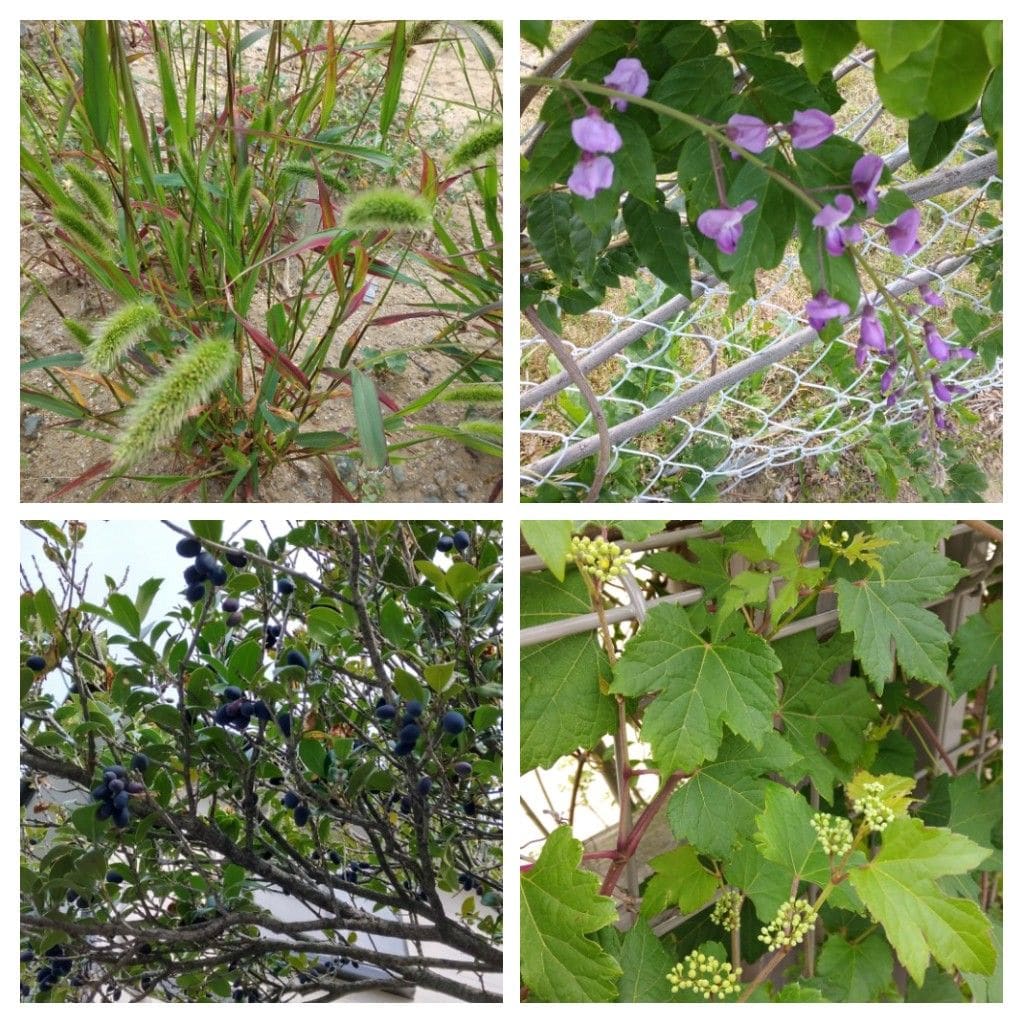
(693, 393)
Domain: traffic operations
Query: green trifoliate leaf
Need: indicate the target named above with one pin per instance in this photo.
(680, 880)
(562, 704)
(716, 807)
(560, 907)
(899, 888)
(823, 722)
(703, 686)
(885, 613)
(855, 972)
(979, 644)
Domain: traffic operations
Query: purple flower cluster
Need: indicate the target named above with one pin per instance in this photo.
(595, 136)
(808, 129)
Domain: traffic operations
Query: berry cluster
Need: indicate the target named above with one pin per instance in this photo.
(114, 792)
(237, 709)
(835, 834)
(598, 557)
(706, 975)
(205, 568)
(792, 921)
(459, 541)
(726, 912)
(877, 816)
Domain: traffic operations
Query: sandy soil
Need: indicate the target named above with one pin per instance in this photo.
(435, 470)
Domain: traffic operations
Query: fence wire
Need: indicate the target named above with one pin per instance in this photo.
(789, 400)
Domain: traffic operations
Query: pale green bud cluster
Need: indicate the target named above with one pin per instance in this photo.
(877, 816)
(598, 557)
(792, 921)
(705, 975)
(835, 834)
(726, 912)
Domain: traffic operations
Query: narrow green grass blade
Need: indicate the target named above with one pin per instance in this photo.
(369, 421)
(393, 81)
(96, 79)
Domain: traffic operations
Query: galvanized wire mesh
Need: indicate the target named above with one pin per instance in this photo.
(711, 418)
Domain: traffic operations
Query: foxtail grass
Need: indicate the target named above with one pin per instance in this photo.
(121, 330)
(476, 144)
(165, 405)
(387, 209)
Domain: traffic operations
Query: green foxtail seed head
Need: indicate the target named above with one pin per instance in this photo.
(92, 192)
(484, 391)
(75, 224)
(726, 912)
(476, 144)
(165, 404)
(598, 557)
(298, 169)
(877, 816)
(792, 921)
(240, 198)
(417, 32)
(121, 330)
(78, 331)
(705, 975)
(482, 428)
(387, 209)
(835, 834)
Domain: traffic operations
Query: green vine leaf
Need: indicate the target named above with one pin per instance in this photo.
(550, 539)
(814, 707)
(855, 972)
(679, 880)
(703, 686)
(884, 616)
(716, 807)
(899, 888)
(562, 706)
(645, 966)
(979, 644)
(560, 907)
(774, 532)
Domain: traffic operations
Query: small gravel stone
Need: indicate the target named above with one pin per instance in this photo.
(32, 424)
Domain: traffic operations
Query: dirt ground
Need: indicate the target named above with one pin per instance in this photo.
(432, 471)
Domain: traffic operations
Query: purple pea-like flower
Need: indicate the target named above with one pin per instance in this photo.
(590, 175)
(628, 75)
(823, 308)
(941, 422)
(903, 232)
(593, 134)
(945, 392)
(872, 334)
(810, 128)
(963, 353)
(830, 218)
(933, 341)
(931, 297)
(867, 172)
(725, 225)
(894, 398)
(747, 131)
(887, 379)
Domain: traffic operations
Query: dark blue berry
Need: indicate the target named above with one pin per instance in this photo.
(36, 663)
(193, 576)
(453, 723)
(409, 733)
(195, 593)
(291, 800)
(284, 723)
(296, 658)
(301, 815)
(206, 563)
(188, 547)
(218, 576)
(234, 619)
(236, 558)
(140, 762)
(463, 769)
(121, 817)
(414, 709)
(424, 786)
(402, 749)
(229, 604)
(461, 540)
(285, 586)
(114, 877)
(232, 693)
(262, 711)
(406, 804)
(385, 712)
(105, 810)
(445, 543)
(335, 856)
